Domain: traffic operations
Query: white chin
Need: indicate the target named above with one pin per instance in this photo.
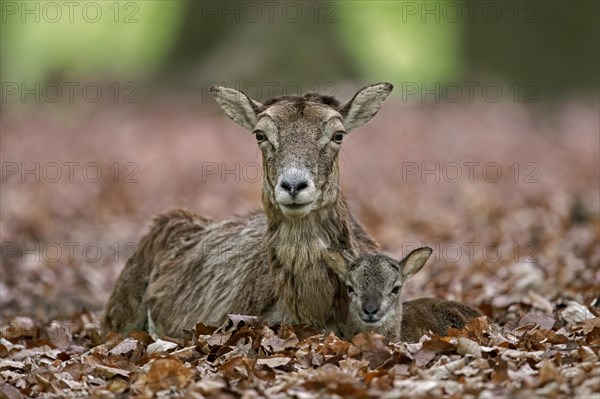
(295, 211)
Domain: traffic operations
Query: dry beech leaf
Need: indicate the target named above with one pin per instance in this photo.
(126, 346)
(109, 372)
(576, 313)
(160, 346)
(118, 385)
(548, 372)
(167, 372)
(544, 321)
(370, 347)
(540, 302)
(440, 344)
(587, 355)
(590, 324)
(9, 392)
(235, 321)
(274, 362)
(468, 347)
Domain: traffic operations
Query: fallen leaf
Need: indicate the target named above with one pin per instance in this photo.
(109, 372)
(274, 362)
(167, 372)
(543, 320)
(160, 346)
(468, 347)
(576, 313)
(126, 346)
(370, 347)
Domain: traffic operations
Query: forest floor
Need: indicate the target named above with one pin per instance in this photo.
(507, 196)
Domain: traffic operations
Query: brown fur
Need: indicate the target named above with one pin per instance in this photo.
(423, 315)
(189, 269)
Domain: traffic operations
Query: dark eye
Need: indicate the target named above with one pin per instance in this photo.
(260, 136)
(338, 137)
(396, 290)
(350, 289)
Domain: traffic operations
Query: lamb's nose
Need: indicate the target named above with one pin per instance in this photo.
(370, 309)
(293, 187)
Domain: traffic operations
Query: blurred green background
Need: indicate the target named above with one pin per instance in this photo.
(185, 43)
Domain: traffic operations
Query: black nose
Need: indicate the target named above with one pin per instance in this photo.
(293, 187)
(370, 309)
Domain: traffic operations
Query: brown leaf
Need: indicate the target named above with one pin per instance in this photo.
(440, 345)
(593, 336)
(540, 302)
(370, 347)
(468, 347)
(576, 313)
(587, 355)
(109, 372)
(202, 329)
(544, 321)
(118, 385)
(125, 347)
(274, 362)
(77, 370)
(590, 325)
(9, 392)
(235, 321)
(168, 372)
(160, 346)
(548, 372)
(332, 345)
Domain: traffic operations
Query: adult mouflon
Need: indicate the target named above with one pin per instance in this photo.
(374, 283)
(189, 268)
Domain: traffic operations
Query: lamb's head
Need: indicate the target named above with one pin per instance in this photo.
(300, 139)
(374, 283)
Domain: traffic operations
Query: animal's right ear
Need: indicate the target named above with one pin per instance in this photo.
(364, 105)
(414, 261)
(335, 261)
(238, 106)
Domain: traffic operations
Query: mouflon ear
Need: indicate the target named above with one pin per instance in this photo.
(336, 262)
(414, 261)
(237, 105)
(364, 105)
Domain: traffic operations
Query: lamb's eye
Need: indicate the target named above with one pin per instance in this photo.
(396, 290)
(350, 289)
(338, 137)
(260, 136)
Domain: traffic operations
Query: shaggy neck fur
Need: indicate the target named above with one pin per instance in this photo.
(307, 290)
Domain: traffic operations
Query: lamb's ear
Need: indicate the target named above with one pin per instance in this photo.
(364, 105)
(238, 106)
(335, 261)
(414, 261)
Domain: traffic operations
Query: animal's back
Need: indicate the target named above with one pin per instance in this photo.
(225, 271)
(422, 315)
(169, 236)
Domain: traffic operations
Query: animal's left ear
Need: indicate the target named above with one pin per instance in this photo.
(414, 261)
(335, 261)
(364, 105)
